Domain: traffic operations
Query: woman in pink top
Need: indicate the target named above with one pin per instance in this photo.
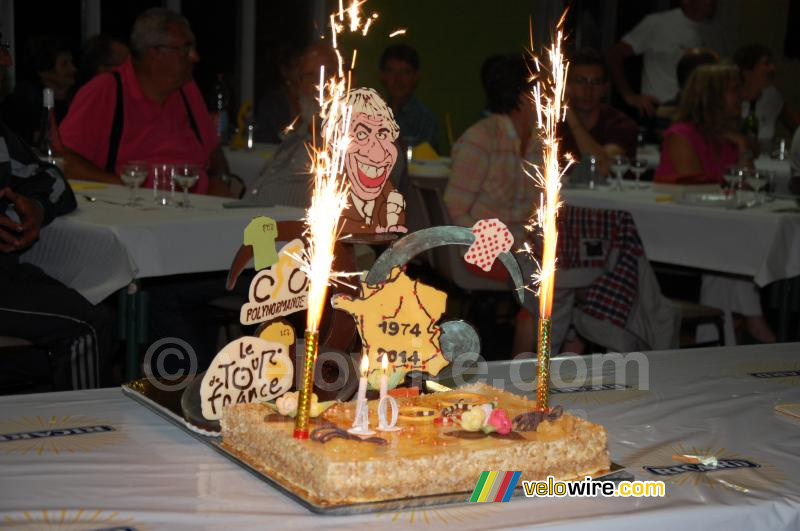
(705, 138)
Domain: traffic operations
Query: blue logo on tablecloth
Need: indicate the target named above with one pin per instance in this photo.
(775, 374)
(722, 464)
(589, 388)
(57, 432)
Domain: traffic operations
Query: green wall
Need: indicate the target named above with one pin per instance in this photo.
(453, 38)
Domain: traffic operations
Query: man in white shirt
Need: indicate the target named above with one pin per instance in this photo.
(662, 38)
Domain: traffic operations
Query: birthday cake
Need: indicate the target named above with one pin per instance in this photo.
(431, 454)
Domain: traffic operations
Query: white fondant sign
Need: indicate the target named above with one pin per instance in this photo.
(246, 370)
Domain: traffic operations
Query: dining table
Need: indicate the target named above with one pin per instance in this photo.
(95, 459)
(106, 246)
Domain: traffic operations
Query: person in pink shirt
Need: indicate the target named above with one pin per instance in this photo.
(704, 139)
(160, 117)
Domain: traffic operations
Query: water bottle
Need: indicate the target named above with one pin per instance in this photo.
(46, 141)
(220, 110)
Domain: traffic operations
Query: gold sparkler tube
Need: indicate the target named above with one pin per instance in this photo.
(543, 367)
(304, 403)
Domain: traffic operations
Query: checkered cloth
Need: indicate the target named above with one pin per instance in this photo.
(608, 239)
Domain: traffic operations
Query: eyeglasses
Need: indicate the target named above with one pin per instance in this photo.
(185, 50)
(584, 81)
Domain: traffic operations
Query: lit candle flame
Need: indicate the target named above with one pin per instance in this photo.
(384, 364)
(365, 365)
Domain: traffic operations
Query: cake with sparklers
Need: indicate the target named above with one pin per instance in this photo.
(436, 451)
(401, 445)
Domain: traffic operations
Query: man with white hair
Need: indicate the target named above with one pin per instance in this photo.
(149, 109)
(375, 206)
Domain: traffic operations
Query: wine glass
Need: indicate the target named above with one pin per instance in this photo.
(163, 184)
(756, 181)
(620, 164)
(186, 176)
(133, 175)
(638, 167)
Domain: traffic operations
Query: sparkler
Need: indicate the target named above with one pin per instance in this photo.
(328, 200)
(548, 98)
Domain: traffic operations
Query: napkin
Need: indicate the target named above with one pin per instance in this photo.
(424, 151)
(86, 185)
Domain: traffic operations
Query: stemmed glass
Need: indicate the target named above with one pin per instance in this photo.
(132, 175)
(620, 165)
(756, 182)
(638, 167)
(186, 176)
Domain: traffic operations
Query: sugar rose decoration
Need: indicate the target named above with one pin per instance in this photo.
(486, 418)
(287, 405)
(246, 370)
(492, 238)
(397, 321)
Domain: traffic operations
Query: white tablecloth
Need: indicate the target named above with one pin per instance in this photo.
(755, 242)
(140, 472)
(101, 247)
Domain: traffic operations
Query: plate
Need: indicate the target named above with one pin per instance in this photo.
(164, 404)
(709, 200)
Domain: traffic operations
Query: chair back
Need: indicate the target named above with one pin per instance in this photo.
(448, 260)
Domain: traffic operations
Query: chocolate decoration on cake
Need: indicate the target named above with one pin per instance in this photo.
(326, 433)
(530, 421)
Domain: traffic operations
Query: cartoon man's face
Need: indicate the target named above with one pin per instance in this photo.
(370, 156)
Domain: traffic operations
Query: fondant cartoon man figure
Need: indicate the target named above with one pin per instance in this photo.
(375, 206)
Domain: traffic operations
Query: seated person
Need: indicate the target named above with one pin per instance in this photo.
(705, 138)
(691, 59)
(400, 75)
(100, 53)
(280, 105)
(33, 305)
(700, 145)
(759, 93)
(161, 117)
(592, 127)
(285, 178)
(48, 64)
(488, 178)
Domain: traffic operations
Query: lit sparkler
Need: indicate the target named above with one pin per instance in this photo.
(328, 200)
(548, 99)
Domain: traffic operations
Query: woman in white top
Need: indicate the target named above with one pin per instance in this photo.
(758, 76)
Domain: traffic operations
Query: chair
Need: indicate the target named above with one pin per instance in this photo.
(448, 260)
(24, 368)
(681, 285)
(693, 315)
(605, 286)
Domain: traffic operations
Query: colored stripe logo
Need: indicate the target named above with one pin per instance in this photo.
(494, 486)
